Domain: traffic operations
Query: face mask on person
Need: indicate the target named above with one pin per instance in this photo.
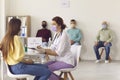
(73, 25)
(54, 28)
(44, 25)
(104, 26)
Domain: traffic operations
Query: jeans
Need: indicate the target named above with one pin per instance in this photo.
(107, 49)
(40, 71)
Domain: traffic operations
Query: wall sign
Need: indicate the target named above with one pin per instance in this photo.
(65, 3)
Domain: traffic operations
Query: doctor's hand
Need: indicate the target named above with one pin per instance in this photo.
(40, 50)
(39, 47)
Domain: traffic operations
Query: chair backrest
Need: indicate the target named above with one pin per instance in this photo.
(8, 71)
(1, 57)
(76, 50)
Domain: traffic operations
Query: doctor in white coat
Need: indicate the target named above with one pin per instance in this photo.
(60, 48)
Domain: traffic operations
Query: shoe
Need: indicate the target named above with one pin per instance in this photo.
(97, 61)
(106, 61)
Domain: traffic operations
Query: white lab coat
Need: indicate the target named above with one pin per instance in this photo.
(61, 45)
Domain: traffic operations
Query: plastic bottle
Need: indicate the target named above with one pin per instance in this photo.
(25, 48)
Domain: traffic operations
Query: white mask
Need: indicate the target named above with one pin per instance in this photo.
(104, 26)
(54, 28)
(73, 25)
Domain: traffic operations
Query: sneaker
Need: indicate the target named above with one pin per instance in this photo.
(106, 61)
(97, 61)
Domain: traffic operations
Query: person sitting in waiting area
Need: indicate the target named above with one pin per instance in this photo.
(104, 39)
(74, 33)
(13, 53)
(44, 33)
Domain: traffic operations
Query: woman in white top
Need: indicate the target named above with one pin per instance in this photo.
(60, 48)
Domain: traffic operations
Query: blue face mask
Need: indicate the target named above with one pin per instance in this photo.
(104, 26)
(54, 28)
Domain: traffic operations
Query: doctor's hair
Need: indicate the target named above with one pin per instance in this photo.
(60, 22)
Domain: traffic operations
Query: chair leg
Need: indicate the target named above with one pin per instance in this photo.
(25, 79)
(110, 59)
(101, 52)
(65, 76)
(22, 79)
(71, 76)
(61, 74)
(79, 59)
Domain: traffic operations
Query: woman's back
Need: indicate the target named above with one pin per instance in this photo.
(15, 55)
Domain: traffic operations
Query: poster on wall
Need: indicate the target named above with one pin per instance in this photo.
(65, 3)
(23, 31)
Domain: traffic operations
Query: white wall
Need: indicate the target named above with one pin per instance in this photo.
(3, 12)
(2, 18)
(88, 13)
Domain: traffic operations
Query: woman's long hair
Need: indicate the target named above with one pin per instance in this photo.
(8, 40)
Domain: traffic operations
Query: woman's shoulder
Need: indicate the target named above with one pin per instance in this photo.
(16, 37)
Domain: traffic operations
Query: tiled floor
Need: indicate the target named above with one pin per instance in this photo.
(88, 70)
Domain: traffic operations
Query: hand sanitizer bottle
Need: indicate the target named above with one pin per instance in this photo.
(25, 48)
